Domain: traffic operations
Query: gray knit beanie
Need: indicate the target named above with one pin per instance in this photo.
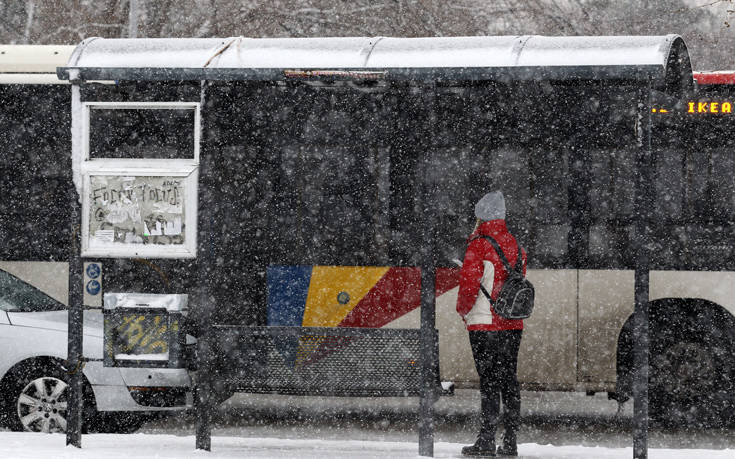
(491, 207)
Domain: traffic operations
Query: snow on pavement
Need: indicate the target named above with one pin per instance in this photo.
(22, 445)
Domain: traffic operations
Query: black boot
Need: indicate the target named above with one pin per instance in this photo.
(482, 448)
(509, 448)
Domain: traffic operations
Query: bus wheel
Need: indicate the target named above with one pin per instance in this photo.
(684, 384)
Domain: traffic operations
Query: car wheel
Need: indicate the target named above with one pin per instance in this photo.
(37, 399)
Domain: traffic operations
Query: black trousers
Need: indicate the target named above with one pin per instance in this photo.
(496, 359)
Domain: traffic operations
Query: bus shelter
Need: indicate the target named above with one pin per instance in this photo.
(209, 111)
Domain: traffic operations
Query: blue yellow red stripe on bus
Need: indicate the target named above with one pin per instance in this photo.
(347, 296)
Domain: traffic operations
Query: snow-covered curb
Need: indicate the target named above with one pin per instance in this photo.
(108, 446)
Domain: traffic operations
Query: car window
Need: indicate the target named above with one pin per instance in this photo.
(16, 295)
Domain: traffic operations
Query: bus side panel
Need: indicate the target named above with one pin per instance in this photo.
(606, 300)
(715, 286)
(548, 355)
(455, 357)
(548, 349)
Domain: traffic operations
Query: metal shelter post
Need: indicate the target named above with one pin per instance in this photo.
(428, 376)
(644, 179)
(428, 304)
(203, 406)
(75, 359)
(203, 389)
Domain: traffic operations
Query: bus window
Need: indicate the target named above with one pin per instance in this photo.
(336, 209)
(548, 224)
(670, 187)
(459, 176)
(669, 208)
(36, 168)
(722, 184)
(611, 195)
(534, 184)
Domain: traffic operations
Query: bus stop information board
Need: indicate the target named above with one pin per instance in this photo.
(136, 210)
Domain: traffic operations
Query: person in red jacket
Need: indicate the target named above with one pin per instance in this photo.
(494, 340)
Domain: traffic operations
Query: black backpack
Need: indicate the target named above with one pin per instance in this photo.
(516, 295)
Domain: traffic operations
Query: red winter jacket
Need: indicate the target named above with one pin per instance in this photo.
(472, 270)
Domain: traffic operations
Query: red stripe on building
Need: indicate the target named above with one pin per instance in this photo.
(395, 294)
(714, 77)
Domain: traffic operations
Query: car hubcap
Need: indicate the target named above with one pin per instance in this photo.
(42, 405)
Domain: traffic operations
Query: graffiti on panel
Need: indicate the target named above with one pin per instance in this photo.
(143, 334)
(136, 210)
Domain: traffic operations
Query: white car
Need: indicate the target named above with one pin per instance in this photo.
(33, 375)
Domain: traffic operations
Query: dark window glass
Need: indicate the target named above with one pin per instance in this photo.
(16, 295)
(611, 198)
(722, 185)
(548, 227)
(707, 238)
(141, 133)
(335, 214)
(535, 188)
(669, 209)
(36, 169)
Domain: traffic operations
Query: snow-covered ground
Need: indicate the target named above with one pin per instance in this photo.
(109, 446)
(555, 425)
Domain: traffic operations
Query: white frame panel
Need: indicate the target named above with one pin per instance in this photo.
(187, 168)
(195, 106)
(122, 250)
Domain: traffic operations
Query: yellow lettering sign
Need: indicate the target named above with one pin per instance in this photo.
(708, 107)
(142, 335)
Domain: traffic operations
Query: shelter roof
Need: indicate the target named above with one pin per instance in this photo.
(423, 59)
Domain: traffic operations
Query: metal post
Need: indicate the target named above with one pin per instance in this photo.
(206, 260)
(645, 174)
(75, 327)
(428, 313)
(203, 389)
(428, 374)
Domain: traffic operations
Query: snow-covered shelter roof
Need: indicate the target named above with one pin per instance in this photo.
(661, 58)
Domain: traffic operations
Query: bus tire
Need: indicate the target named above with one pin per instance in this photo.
(693, 396)
(691, 363)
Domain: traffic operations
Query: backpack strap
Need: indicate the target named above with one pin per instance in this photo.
(498, 250)
(519, 260)
(487, 295)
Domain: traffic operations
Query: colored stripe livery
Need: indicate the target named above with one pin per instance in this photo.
(341, 296)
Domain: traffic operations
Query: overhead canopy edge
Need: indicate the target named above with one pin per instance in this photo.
(661, 60)
(621, 73)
